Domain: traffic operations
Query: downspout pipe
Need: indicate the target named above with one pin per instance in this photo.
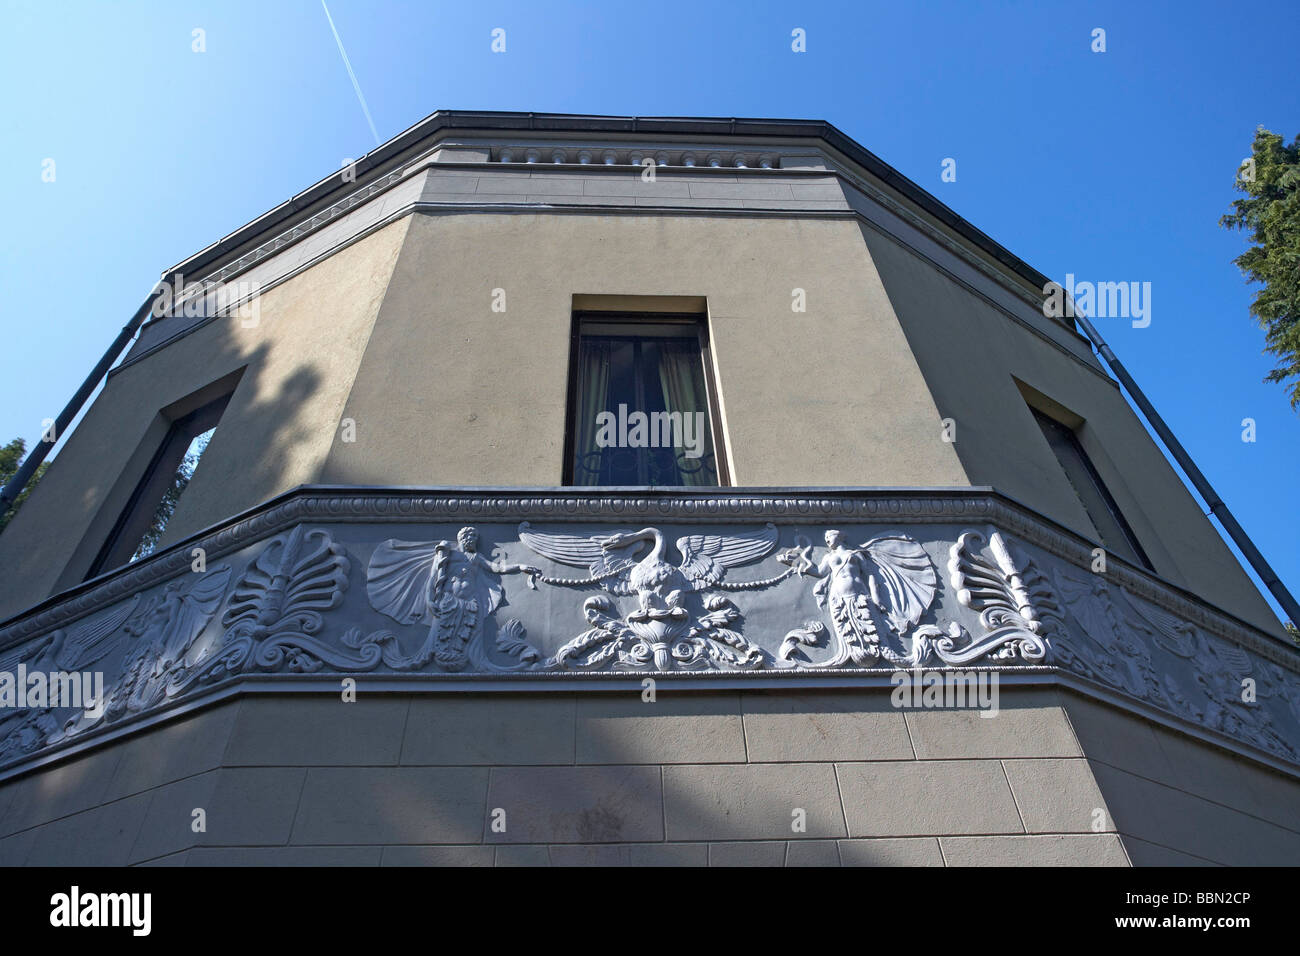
(1203, 486)
(33, 461)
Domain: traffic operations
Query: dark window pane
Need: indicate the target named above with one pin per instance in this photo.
(139, 528)
(641, 413)
(1116, 535)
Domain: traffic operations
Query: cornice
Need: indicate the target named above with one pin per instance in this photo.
(422, 138)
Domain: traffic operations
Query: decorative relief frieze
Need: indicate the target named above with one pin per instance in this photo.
(1015, 602)
(449, 588)
(319, 588)
(675, 624)
(874, 595)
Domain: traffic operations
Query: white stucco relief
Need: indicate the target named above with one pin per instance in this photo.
(722, 598)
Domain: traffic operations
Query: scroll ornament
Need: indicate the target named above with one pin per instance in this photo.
(1015, 601)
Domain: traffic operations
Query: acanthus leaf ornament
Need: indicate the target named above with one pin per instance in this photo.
(1015, 601)
(276, 612)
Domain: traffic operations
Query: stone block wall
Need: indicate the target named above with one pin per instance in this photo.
(695, 778)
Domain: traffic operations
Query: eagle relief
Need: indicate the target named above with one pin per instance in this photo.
(675, 624)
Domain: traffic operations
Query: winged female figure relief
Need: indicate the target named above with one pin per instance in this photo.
(159, 634)
(875, 593)
(675, 623)
(451, 588)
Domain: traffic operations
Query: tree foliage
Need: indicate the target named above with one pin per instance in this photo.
(11, 457)
(1271, 212)
(171, 496)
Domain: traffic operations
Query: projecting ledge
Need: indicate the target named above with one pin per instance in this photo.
(539, 590)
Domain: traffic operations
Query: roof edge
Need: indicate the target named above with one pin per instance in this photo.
(445, 120)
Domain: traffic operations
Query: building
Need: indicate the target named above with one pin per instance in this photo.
(580, 489)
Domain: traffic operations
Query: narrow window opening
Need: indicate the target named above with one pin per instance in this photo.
(153, 503)
(1117, 536)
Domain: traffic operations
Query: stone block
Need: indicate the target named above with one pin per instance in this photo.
(60, 790)
(300, 730)
(823, 726)
(1142, 853)
(577, 804)
(750, 853)
(181, 748)
(1116, 738)
(918, 851)
(455, 729)
(103, 836)
(751, 802)
(522, 856)
(633, 185)
(1058, 796)
(1026, 724)
(812, 853)
(249, 806)
(1102, 849)
(927, 797)
(285, 856)
(675, 728)
(438, 856)
(399, 805)
(747, 189)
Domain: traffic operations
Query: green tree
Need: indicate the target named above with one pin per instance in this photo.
(1271, 181)
(11, 456)
(172, 496)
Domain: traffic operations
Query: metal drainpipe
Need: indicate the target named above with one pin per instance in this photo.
(1206, 490)
(33, 461)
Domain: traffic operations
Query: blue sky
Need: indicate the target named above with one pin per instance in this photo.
(1112, 165)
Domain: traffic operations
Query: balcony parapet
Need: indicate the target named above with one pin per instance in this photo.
(564, 589)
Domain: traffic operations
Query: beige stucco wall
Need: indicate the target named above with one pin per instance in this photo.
(300, 359)
(445, 391)
(452, 393)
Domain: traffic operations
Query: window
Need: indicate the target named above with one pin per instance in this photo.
(152, 504)
(642, 407)
(1116, 535)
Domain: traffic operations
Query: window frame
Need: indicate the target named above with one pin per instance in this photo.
(690, 322)
(1042, 419)
(134, 519)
